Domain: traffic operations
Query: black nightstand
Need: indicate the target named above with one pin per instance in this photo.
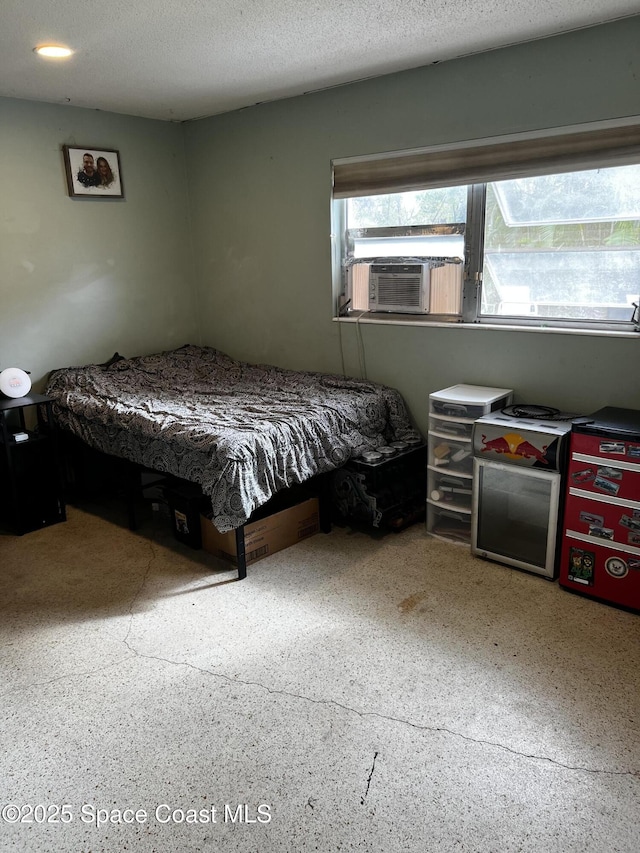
(31, 494)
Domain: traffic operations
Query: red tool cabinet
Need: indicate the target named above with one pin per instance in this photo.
(601, 530)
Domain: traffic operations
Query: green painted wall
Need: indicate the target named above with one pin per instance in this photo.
(243, 263)
(260, 190)
(80, 279)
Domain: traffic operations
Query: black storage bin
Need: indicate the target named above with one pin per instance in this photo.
(389, 494)
(185, 502)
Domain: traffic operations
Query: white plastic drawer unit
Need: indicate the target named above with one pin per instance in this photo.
(452, 413)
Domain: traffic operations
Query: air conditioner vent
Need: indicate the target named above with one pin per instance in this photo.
(399, 288)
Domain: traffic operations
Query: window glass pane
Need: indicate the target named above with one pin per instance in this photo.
(595, 196)
(589, 285)
(425, 207)
(428, 223)
(564, 246)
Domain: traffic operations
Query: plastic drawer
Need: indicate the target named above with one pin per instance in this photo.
(451, 427)
(451, 491)
(454, 456)
(450, 524)
(452, 409)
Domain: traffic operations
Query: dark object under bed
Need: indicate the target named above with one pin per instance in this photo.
(242, 432)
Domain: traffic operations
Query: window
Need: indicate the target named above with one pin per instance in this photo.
(407, 228)
(563, 246)
(555, 245)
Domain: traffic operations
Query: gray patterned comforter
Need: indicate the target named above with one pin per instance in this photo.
(242, 432)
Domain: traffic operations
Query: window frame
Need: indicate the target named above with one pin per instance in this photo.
(470, 314)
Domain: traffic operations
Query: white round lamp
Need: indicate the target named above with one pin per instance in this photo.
(14, 382)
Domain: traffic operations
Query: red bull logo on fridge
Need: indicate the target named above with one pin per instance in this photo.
(515, 447)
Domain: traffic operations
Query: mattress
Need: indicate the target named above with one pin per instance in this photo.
(242, 431)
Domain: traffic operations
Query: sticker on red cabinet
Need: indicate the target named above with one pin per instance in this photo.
(601, 532)
(613, 447)
(616, 567)
(583, 476)
(609, 473)
(591, 518)
(581, 566)
(606, 486)
(630, 523)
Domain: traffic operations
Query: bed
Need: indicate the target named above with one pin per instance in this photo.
(242, 432)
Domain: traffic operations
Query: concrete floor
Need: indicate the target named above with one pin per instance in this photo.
(352, 693)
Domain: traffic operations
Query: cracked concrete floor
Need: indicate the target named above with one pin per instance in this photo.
(352, 693)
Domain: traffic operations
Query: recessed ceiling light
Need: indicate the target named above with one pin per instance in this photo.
(53, 50)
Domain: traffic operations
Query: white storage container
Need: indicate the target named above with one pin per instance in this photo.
(452, 413)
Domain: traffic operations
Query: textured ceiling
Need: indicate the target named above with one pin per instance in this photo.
(191, 58)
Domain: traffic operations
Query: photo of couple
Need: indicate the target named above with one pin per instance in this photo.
(94, 173)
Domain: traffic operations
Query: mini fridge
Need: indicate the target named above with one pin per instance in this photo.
(519, 469)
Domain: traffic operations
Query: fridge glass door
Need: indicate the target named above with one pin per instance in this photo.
(516, 516)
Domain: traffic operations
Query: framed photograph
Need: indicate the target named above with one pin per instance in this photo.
(93, 172)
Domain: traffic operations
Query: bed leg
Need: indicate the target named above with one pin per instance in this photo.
(324, 502)
(240, 553)
(131, 480)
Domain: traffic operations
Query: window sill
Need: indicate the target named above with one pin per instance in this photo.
(407, 320)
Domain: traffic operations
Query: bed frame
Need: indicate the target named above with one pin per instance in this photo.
(243, 432)
(88, 471)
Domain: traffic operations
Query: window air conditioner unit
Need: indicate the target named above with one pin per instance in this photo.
(399, 288)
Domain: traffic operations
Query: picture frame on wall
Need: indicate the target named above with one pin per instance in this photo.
(93, 173)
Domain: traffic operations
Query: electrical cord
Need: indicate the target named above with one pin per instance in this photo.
(361, 353)
(534, 412)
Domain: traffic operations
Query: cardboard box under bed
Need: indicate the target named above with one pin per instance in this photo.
(264, 536)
